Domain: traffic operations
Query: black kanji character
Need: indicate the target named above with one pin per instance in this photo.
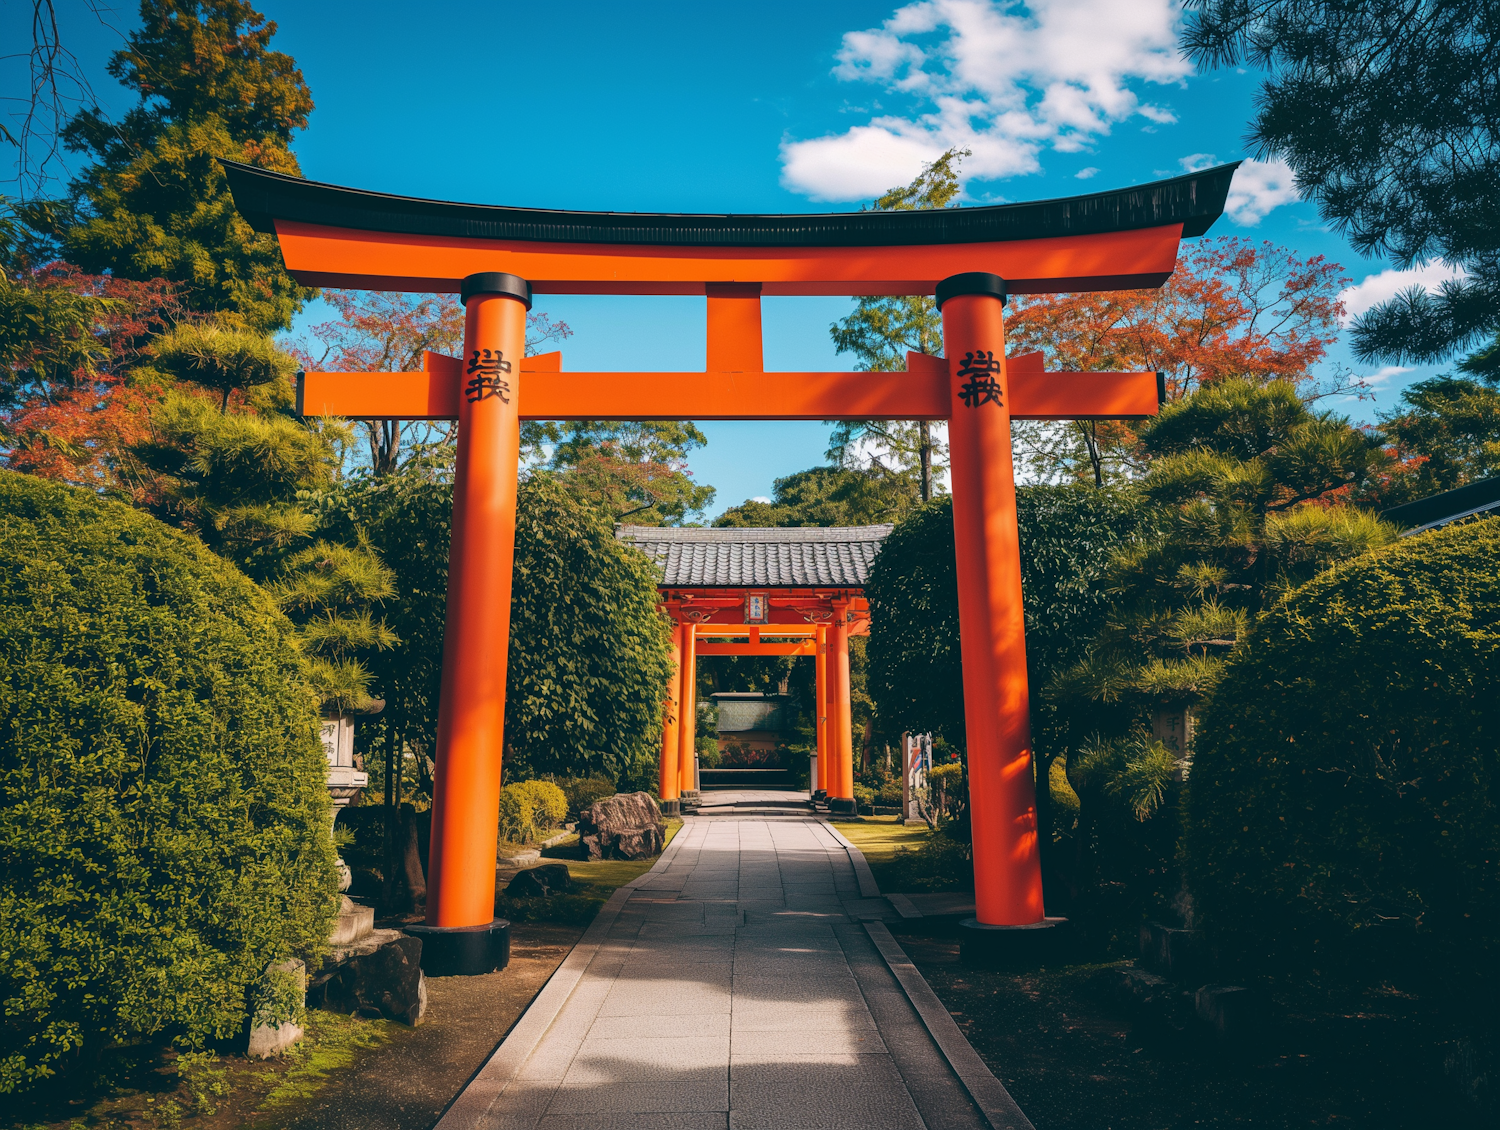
(484, 369)
(982, 387)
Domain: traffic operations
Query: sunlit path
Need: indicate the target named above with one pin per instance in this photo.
(747, 981)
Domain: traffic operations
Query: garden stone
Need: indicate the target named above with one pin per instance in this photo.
(1232, 1012)
(1170, 951)
(268, 1038)
(627, 826)
(539, 882)
(354, 922)
(1136, 989)
(383, 980)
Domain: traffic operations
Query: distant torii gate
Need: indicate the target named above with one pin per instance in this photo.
(763, 592)
(495, 257)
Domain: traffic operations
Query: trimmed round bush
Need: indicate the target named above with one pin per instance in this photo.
(163, 799)
(531, 810)
(1341, 815)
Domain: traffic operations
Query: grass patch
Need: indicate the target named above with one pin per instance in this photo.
(332, 1042)
(911, 857)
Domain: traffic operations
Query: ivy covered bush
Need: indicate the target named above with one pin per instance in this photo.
(1342, 815)
(163, 804)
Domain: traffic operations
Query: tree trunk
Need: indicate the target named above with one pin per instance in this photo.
(1089, 431)
(924, 447)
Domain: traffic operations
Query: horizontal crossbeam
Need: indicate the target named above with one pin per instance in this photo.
(806, 647)
(546, 393)
(753, 631)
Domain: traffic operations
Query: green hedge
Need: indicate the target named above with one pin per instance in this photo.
(1341, 814)
(163, 799)
(1068, 534)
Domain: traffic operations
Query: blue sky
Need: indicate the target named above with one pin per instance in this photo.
(768, 108)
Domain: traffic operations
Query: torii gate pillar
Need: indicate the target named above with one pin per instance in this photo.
(461, 924)
(992, 624)
(668, 784)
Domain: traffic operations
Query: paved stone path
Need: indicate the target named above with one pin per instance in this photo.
(746, 982)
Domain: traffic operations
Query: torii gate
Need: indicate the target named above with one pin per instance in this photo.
(496, 257)
(763, 592)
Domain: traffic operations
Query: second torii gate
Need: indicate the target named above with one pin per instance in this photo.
(763, 592)
(496, 257)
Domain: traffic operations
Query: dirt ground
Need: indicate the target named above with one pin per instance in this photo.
(1074, 1061)
(408, 1080)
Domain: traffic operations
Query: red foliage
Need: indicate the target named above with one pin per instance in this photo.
(1233, 308)
(69, 405)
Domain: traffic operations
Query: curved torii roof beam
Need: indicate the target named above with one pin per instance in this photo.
(344, 237)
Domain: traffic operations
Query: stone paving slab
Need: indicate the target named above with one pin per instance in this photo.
(747, 982)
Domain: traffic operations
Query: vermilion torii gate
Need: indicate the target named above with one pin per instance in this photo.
(763, 592)
(495, 258)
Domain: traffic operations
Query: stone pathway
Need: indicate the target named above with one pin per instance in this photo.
(746, 982)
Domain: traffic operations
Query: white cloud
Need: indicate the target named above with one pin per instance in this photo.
(1085, 174)
(761, 498)
(1385, 374)
(1002, 80)
(1259, 186)
(1197, 162)
(1386, 285)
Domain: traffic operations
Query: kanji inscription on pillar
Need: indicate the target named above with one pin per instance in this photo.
(982, 386)
(485, 381)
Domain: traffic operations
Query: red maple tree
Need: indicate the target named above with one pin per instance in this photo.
(388, 333)
(1232, 308)
(69, 342)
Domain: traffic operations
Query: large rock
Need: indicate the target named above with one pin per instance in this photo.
(1233, 1013)
(539, 882)
(625, 826)
(380, 978)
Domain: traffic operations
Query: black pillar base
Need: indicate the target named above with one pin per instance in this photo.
(671, 807)
(820, 794)
(843, 806)
(1014, 947)
(463, 951)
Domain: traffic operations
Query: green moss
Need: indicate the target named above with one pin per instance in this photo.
(332, 1042)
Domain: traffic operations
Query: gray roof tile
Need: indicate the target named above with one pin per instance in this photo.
(755, 557)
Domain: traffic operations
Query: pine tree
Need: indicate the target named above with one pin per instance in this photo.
(1248, 482)
(1387, 115)
(226, 458)
(155, 202)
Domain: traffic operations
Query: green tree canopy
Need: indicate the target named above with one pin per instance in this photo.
(588, 649)
(1387, 115)
(630, 469)
(1446, 433)
(163, 799)
(1069, 534)
(155, 203)
(824, 496)
(1234, 466)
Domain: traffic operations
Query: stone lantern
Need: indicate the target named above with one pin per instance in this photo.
(346, 774)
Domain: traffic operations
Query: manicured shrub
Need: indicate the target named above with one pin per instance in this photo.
(1341, 812)
(584, 791)
(531, 810)
(163, 801)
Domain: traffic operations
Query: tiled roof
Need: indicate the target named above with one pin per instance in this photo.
(751, 557)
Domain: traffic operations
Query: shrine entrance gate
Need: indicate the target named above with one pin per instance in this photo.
(495, 258)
